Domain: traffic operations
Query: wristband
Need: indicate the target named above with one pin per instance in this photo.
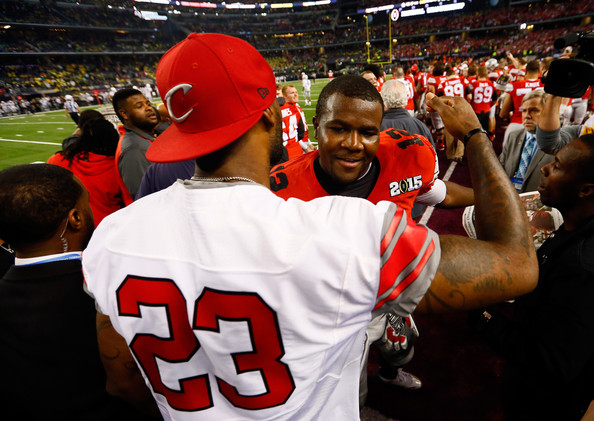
(471, 133)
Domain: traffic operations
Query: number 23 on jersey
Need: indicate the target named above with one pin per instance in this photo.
(210, 309)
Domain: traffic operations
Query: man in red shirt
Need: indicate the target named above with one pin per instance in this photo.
(355, 160)
(481, 95)
(409, 83)
(295, 131)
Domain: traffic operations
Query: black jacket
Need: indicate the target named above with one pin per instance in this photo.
(548, 345)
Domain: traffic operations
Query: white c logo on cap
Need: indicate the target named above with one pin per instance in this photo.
(186, 88)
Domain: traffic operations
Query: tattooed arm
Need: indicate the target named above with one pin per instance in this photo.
(501, 264)
(123, 376)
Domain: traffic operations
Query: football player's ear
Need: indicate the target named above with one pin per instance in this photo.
(316, 123)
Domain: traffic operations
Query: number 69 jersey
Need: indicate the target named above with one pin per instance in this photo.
(408, 172)
(239, 305)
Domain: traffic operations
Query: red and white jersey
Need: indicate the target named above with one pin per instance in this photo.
(435, 82)
(519, 90)
(240, 305)
(421, 80)
(292, 114)
(482, 95)
(409, 83)
(409, 170)
(454, 86)
(516, 74)
(380, 82)
(494, 75)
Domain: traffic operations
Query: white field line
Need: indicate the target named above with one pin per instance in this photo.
(35, 122)
(30, 141)
(429, 210)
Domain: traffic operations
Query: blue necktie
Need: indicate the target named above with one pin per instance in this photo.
(528, 151)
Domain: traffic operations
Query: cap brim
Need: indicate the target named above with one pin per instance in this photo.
(174, 145)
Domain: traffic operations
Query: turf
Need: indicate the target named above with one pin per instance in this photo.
(35, 137)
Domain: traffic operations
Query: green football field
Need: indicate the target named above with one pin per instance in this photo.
(35, 137)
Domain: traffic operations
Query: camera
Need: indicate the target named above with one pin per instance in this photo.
(571, 77)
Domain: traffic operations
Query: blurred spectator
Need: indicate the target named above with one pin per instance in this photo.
(92, 159)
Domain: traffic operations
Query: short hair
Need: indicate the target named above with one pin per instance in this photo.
(398, 71)
(351, 86)
(373, 68)
(120, 97)
(533, 66)
(438, 69)
(545, 63)
(473, 69)
(34, 202)
(286, 88)
(482, 71)
(538, 93)
(98, 136)
(394, 94)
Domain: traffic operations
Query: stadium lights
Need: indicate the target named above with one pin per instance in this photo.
(446, 8)
(315, 3)
(196, 4)
(379, 9)
(413, 12)
(240, 6)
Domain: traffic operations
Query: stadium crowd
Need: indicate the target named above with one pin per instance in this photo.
(492, 68)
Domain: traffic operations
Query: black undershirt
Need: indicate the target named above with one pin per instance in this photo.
(360, 188)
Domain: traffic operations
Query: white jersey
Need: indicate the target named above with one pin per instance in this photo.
(239, 305)
(306, 84)
(71, 106)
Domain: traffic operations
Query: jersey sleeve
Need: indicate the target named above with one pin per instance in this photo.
(410, 256)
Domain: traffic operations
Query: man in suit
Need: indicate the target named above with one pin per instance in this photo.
(520, 157)
(49, 337)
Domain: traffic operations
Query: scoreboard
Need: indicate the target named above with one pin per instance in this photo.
(419, 8)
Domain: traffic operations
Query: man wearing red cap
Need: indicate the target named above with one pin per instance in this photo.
(237, 304)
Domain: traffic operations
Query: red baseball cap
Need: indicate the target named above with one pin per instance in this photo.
(215, 88)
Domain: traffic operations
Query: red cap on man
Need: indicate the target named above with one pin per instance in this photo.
(215, 88)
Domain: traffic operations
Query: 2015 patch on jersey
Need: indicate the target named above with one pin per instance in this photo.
(406, 185)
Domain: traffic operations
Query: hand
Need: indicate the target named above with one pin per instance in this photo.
(457, 114)
(399, 337)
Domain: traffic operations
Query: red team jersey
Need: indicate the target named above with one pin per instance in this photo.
(453, 87)
(292, 114)
(408, 168)
(482, 95)
(436, 82)
(494, 75)
(519, 90)
(421, 81)
(409, 82)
